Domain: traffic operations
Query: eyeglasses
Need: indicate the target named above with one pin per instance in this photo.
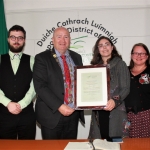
(105, 45)
(19, 38)
(139, 54)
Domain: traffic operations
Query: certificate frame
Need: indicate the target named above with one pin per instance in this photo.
(91, 86)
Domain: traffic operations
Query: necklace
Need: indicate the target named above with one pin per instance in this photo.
(71, 68)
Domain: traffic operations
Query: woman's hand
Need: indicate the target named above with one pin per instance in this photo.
(110, 105)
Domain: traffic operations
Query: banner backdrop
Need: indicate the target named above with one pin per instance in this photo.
(124, 27)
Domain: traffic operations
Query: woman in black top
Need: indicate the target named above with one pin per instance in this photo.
(138, 101)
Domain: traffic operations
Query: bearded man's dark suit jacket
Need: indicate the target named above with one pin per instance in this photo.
(49, 86)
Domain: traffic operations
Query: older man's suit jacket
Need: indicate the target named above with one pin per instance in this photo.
(49, 86)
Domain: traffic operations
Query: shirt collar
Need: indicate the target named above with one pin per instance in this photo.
(12, 55)
(58, 54)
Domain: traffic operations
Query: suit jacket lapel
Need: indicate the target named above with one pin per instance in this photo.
(57, 67)
(75, 59)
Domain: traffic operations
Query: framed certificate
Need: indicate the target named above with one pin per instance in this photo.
(92, 86)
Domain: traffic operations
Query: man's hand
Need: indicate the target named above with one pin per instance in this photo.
(14, 108)
(65, 110)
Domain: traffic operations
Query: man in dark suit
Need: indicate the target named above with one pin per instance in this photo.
(57, 118)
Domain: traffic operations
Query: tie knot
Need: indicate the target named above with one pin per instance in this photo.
(63, 56)
(16, 56)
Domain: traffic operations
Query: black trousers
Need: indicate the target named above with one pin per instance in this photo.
(66, 128)
(104, 124)
(21, 126)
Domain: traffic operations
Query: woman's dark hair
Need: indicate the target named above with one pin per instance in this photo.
(17, 28)
(96, 55)
(147, 52)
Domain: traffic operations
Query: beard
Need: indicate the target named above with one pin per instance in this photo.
(16, 50)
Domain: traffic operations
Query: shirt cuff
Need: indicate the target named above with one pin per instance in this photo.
(22, 104)
(6, 101)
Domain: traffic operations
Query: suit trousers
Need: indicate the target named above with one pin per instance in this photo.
(66, 128)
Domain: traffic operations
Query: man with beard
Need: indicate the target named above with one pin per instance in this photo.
(17, 117)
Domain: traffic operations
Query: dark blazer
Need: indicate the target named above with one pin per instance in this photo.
(49, 86)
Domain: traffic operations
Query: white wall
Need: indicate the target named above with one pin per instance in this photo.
(17, 5)
(126, 20)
